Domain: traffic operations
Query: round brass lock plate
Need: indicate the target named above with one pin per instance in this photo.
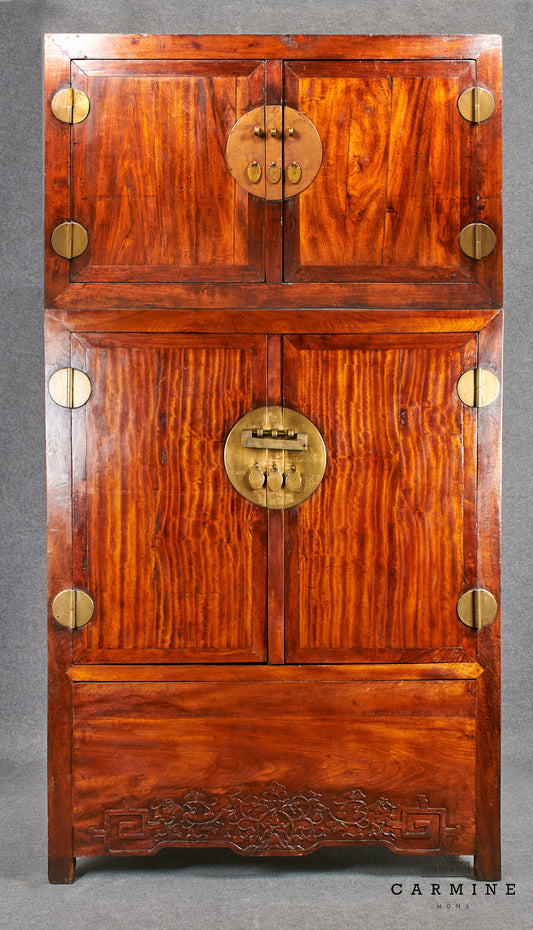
(476, 104)
(478, 387)
(72, 608)
(69, 239)
(69, 387)
(274, 144)
(275, 457)
(70, 105)
(477, 240)
(477, 608)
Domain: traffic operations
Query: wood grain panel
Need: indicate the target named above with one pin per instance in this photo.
(174, 559)
(158, 741)
(426, 163)
(149, 176)
(340, 47)
(375, 557)
(135, 319)
(59, 554)
(398, 164)
(427, 671)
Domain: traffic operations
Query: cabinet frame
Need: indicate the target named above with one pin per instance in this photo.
(482, 291)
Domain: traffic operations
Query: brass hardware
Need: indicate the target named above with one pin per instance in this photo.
(275, 479)
(256, 477)
(293, 480)
(72, 608)
(287, 440)
(477, 240)
(69, 387)
(477, 608)
(476, 104)
(254, 172)
(294, 172)
(70, 105)
(478, 387)
(250, 141)
(69, 239)
(273, 173)
(280, 445)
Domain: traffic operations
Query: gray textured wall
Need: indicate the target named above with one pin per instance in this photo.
(22, 435)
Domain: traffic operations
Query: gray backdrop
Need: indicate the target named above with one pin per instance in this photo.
(333, 888)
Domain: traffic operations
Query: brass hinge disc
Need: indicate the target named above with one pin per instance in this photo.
(70, 105)
(268, 141)
(275, 457)
(476, 104)
(70, 387)
(72, 608)
(477, 608)
(478, 387)
(69, 239)
(477, 240)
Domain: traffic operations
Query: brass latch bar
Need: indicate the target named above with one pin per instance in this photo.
(286, 440)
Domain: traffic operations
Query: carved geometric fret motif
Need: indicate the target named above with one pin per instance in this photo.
(273, 822)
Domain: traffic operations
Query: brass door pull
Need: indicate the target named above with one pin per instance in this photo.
(254, 172)
(294, 172)
(275, 457)
(274, 173)
(256, 477)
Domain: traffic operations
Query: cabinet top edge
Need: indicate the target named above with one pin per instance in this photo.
(111, 45)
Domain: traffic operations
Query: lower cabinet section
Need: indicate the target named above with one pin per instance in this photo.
(274, 767)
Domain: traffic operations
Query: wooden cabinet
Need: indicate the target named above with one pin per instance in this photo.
(400, 172)
(273, 680)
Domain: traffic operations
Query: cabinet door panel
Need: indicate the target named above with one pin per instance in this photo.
(397, 181)
(379, 554)
(149, 175)
(174, 559)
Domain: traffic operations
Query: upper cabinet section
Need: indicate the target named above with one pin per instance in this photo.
(263, 171)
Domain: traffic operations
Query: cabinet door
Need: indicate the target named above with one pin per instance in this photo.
(397, 182)
(174, 560)
(149, 179)
(377, 558)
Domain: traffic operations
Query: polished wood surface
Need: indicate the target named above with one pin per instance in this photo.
(146, 173)
(149, 176)
(376, 557)
(149, 741)
(273, 681)
(175, 560)
(397, 181)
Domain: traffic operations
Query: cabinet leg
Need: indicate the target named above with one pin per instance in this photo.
(487, 867)
(61, 871)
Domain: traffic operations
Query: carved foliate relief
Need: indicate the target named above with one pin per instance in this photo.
(274, 822)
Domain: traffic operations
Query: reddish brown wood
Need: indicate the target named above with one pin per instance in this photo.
(151, 183)
(487, 858)
(276, 525)
(196, 302)
(149, 176)
(58, 439)
(174, 559)
(375, 557)
(373, 672)
(273, 46)
(387, 202)
(159, 741)
(395, 296)
(276, 321)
